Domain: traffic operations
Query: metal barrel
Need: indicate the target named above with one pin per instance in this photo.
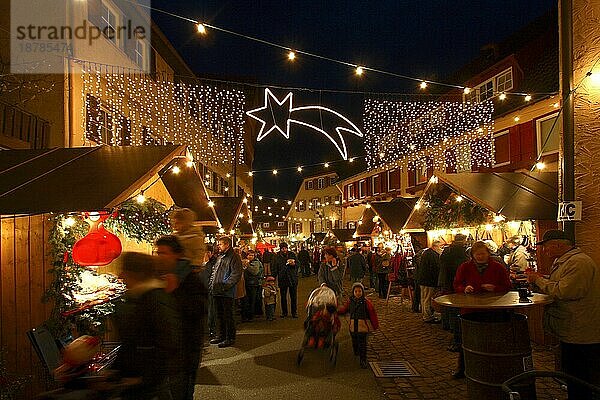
(496, 347)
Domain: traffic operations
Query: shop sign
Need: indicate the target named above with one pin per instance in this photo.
(569, 211)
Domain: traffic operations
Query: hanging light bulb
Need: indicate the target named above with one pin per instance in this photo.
(528, 97)
(275, 200)
(326, 165)
(228, 175)
(459, 198)
(140, 198)
(221, 230)
(423, 85)
(250, 173)
(299, 169)
(467, 90)
(245, 201)
(70, 221)
(201, 28)
(190, 163)
(211, 203)
(359, 70)
(176, 170)
(502, 96)
(540, 165)
(351, 159)
(274, 172)
(291, 55)
(260, 197)
(517, 118)
(289, 202)
(499, 218)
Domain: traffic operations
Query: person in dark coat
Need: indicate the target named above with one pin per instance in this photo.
(253, 279)
(357, 266)
(149, 329)
(330, 273)
(191, 294)
(226, 274)
(429, 270)
(304, 260)
(450, 259)
(285, 269)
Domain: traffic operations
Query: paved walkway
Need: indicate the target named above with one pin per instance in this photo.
(403, 336)
(262, 362)
(262, 365)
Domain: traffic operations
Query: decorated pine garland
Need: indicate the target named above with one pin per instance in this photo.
(143, 222)
(445, 212)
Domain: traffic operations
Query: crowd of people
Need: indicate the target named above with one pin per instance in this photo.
(479, 267)
(171, 293)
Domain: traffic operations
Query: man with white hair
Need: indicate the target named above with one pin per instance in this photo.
(429, 270)
(574, 315)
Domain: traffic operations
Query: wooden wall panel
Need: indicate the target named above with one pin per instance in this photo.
(23, 298)
(7, 277)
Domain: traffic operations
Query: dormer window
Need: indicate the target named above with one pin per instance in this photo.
(499, 83)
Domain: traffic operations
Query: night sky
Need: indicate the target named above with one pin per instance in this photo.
(426, 38)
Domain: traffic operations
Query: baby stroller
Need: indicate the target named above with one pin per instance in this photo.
(321, 324)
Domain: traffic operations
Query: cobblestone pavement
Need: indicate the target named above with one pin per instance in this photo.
(404, 337)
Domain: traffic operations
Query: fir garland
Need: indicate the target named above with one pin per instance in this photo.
(443, 212)
(142, 222)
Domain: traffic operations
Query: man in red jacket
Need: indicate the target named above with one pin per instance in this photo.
(481, 274)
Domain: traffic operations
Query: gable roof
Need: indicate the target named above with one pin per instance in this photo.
(515, 195)
(79, 179)
(393, 213)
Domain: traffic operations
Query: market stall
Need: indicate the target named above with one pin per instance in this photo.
(492, 207)
(66, 215)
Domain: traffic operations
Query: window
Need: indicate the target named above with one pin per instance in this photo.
(320, 183)
(327, 200)
(280, 224)
(140, 53)
(547, 131)
(504, 81)
(375, 184)
(266, 225)
(109, 22)
(463, 159)
(311, 226)
(332, 180)
(314, 203)
(301, 205)
(298, 227)
(351, 194)
(338, 199)
(501, 148)
(351, 225)
(309, 185)
(393, 179)
(362, 189)
(328, 224)
(486, 91)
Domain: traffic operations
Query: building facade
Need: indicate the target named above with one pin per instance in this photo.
(316, 206)
(142, 94)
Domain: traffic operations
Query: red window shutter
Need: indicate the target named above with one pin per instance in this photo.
(411, 176)
(515, 144)
(450, 156)
(429, 168)
(395, 179)
(315, 183)
(527, 135)
(383, 182)
(502, 149)
(369, 191)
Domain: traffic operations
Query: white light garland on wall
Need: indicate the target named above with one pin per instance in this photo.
(411, 130)
(206, 118)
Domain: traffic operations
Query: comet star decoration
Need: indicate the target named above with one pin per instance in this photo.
(285, 115)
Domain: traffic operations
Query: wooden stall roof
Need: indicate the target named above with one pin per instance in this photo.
(395, 212)
(187, 191)
(366, 224)
(516, 195)
(227, 210)
(78, 179)
(344, 235)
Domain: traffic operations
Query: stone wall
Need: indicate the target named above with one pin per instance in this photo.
(586, 52)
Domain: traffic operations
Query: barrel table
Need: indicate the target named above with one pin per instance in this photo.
(495, 340)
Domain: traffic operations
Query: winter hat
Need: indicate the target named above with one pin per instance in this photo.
(360, 285)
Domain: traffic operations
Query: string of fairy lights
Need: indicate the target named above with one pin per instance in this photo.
(407, 130)
(207, 119)
(292, 54)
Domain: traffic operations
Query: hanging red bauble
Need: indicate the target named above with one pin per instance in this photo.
(99, 247)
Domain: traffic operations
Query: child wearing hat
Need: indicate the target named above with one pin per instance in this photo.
(270, 290)
(363, 319)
